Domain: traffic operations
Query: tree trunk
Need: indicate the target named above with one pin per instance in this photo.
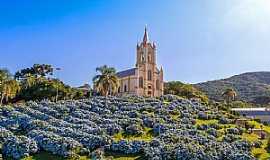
(106, 101)
(2, 98)
(7, 98)
(228, 99)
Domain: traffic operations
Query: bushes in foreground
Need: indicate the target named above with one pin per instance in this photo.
(68, 128)
(18, 147)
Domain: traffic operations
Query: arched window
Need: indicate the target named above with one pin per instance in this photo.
(119, 89)
(142, 57)
(149, 57)
(141, 82)
(157, 84)
(149, 75)
(125, 88)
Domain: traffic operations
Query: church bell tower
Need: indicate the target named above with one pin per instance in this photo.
(146, 64)
(146, 51)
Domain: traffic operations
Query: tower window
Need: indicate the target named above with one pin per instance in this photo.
(125, 88)
(141, 82)
(142, 57)
(149, 75)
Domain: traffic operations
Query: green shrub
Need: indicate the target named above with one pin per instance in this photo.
(185, 90)
(175, 112)
(268, 145)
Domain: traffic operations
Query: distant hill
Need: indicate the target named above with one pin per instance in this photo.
(252, 87)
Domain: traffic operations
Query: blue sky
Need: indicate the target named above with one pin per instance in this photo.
(197, 40)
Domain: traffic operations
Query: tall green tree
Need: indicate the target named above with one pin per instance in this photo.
(106, 80)
(37, 70)
(44, 88)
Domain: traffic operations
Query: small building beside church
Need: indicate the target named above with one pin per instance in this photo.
(145, 79)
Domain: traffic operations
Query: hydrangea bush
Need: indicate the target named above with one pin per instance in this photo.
(83, 126)
(20, 146)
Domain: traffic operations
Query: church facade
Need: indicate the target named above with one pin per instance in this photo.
(145, 79)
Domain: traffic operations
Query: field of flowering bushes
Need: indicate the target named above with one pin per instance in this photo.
(165, 128)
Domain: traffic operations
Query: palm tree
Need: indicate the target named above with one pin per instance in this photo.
(9, 90)
(106, 80)
(4, 77)
(229, 95)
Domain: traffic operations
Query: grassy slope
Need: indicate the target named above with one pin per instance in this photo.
(146, 136)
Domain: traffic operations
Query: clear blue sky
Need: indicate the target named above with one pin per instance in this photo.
(197, 40)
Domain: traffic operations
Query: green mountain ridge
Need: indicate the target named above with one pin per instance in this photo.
(251, 87)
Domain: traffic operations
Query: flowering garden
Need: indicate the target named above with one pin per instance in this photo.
(143, 128)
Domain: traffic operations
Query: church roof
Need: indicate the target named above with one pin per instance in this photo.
(126, 73)
(85, 87)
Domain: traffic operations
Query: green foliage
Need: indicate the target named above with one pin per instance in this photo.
(44, 88)
(147, 135)
(5, 74)
(36, 85)
(200, 122)
(108, 156)
(268, 145)
(184, 90)
(37, 70)
(8, 86)
(9, 90)
(118, 156)
(239, 104)
(48, 156)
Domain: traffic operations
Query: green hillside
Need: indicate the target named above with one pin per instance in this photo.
(251, 87)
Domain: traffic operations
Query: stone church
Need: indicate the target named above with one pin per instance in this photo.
(145, 79)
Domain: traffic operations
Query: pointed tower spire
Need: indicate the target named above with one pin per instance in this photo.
(145, 36)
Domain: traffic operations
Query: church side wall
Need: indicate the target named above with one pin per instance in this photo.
(130, 83)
